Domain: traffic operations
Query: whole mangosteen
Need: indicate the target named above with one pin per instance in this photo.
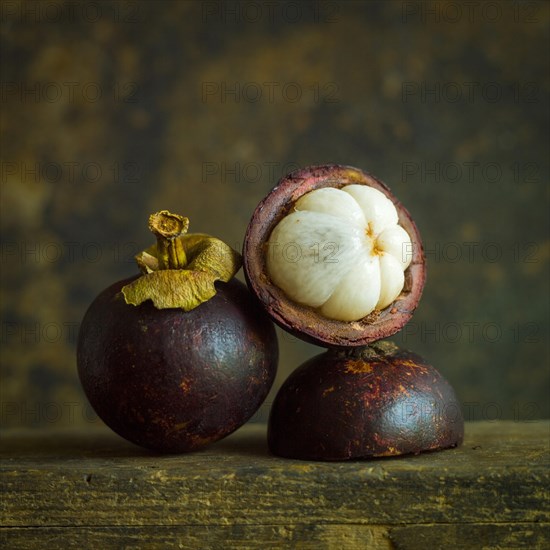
(182, 355)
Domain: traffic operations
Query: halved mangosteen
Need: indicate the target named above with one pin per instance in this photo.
(334, 257)
(366, 402)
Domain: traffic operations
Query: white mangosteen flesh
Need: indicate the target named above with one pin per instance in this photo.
(341, 251)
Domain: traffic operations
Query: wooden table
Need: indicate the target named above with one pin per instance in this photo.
(91, 489)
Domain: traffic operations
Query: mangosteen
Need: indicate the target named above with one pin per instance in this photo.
(375, 401)
(334, 257)
(182, 355)
(337, 260)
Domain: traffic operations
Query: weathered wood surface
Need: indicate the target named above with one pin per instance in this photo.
(93, 490)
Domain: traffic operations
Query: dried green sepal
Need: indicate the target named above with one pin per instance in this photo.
(180, 270)
(147, 262)
(169, 288)
(209, 254)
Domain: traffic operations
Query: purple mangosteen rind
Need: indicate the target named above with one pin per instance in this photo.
(174, 381)
(302, 321)
(182, 355)
(371, 402)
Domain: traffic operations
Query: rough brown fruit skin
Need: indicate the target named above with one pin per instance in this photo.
(175, 381)
(379, 401)
(304, 322)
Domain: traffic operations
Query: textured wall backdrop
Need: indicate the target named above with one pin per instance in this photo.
(111, 110)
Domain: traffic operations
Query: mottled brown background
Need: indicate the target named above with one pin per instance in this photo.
(111, 110)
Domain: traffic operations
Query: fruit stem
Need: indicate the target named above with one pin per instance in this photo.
(167, 228)
(371, 351)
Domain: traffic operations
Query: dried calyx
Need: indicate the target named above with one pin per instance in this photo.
(180, 270)
(334, 257)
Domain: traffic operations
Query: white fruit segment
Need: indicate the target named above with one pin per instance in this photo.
(342, 251)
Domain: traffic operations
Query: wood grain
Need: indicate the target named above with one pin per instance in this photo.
(92, 489)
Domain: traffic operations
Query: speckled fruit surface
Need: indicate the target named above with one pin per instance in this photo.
(175, 381)
(370, 402)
